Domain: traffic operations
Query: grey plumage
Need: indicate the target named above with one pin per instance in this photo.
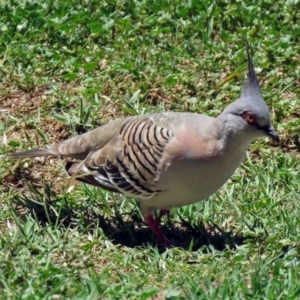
(167, 159)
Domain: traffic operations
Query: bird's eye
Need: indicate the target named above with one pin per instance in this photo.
(250, 117)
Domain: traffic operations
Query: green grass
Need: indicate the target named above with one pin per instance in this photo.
(69, 66)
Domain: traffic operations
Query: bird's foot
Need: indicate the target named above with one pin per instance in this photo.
(161, 238)
(166, 243)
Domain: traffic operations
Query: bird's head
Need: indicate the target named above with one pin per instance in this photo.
(250, 114)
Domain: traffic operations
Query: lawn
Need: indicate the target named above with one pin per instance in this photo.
(67, 67)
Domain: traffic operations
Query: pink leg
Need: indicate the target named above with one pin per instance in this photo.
(157, 231)
(163, 212)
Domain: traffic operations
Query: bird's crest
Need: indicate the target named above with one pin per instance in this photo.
(251, 87)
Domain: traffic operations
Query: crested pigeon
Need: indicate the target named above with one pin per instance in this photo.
(167, 159)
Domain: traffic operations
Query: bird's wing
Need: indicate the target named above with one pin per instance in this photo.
(131, 161)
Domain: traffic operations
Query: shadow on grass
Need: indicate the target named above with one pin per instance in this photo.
(182, 235)
(122, 230)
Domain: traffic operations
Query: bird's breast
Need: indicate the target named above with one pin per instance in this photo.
(189, 180)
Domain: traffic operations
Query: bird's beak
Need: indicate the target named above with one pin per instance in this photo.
(270, 131)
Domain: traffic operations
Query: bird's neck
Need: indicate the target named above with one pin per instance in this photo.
(232, 138)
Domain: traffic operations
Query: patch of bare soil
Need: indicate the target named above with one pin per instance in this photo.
(18, 104)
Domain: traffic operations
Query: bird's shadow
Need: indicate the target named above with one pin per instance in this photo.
(130, 231)
(182, 234)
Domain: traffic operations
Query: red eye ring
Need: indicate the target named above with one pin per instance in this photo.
(250, 117)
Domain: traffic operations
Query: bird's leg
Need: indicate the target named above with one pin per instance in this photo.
(161, 238)
(163, 212)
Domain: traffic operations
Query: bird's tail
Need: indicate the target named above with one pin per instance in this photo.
(39, 152)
